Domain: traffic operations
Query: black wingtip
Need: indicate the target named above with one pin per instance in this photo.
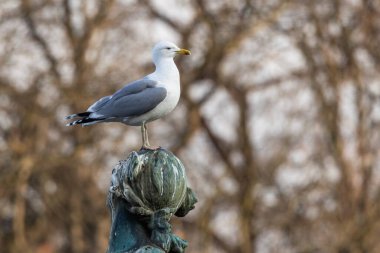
(85, 121)
(72, 123)
(77, 115)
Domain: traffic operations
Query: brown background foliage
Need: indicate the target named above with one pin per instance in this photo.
(278, 124)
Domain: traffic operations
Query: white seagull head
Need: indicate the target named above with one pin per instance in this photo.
(166, 49)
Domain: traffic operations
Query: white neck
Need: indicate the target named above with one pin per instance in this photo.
(166, 69)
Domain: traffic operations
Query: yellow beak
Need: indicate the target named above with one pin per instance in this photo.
(183, 51)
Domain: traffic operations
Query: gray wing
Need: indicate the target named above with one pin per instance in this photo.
(99, 104)
(131, 88)
(126, 103)
(135, 87)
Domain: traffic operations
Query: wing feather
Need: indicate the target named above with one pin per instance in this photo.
(99, 104)
(135, 87)
(133, 104)
(135, 98)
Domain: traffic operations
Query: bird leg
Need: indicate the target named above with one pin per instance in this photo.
(144, 133)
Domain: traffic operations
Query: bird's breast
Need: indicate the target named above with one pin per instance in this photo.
(166, 106)
(171, 99)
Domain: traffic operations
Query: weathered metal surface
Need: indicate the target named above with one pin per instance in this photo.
(146, 190)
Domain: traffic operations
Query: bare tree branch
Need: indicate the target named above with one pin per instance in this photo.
(39, 40)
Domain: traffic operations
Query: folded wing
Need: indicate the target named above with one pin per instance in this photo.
(133, 99)
(134, 104)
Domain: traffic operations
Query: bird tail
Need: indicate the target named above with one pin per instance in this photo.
(78, 115)
(84, 121)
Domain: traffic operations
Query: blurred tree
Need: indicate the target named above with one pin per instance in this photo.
(278, 124)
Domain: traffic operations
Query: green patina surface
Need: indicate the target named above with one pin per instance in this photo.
(146, 190)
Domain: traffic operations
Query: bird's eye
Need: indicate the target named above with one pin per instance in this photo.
(168, 48)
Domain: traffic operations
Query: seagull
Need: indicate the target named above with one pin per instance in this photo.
(143, 100)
